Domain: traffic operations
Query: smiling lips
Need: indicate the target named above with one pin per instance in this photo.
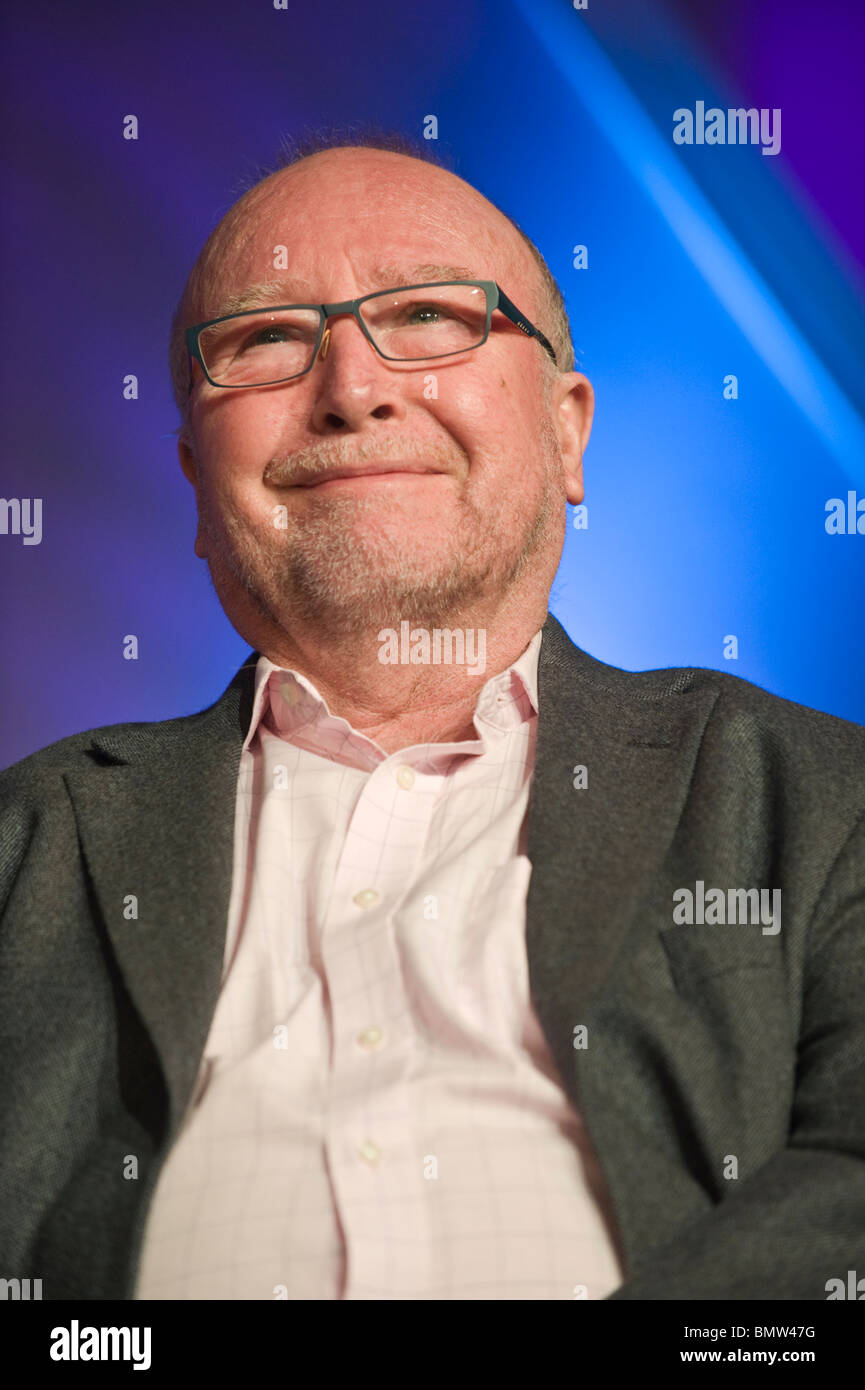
(331, 475)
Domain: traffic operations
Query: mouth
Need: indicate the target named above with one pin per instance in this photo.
(370, 473)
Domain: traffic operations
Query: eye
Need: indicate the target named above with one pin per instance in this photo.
(429, 315)
(268, 335)
(430, 310)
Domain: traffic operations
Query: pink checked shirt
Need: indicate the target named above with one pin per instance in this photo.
(377, 1114)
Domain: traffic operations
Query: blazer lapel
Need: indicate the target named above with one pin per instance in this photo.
(155, 814)
(594, 850)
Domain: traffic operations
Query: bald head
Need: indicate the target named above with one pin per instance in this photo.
(354, 186)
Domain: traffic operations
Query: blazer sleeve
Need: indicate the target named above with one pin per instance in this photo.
(18, 821)
(800, 1221)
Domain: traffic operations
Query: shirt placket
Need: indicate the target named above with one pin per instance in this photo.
(373, 1150)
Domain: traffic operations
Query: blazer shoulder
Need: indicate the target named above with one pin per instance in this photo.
(737, 699)
(110, 744)
(744, 702)
(43, 769)
(759, 737)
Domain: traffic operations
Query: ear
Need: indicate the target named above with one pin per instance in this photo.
(189, 464)
(572, 402)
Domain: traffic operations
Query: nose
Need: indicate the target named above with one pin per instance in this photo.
(353, 383)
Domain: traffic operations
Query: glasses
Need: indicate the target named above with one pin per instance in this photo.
(413, 323)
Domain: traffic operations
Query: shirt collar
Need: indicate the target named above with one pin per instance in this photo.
(289, 701)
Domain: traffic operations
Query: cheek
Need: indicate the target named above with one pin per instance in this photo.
(504, 421)
(239, 434)
(481, 415)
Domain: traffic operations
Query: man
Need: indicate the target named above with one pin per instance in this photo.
(436, 959)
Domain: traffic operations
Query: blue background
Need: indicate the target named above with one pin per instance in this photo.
(706, 516)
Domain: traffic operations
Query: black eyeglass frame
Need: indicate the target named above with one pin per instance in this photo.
(495, 296)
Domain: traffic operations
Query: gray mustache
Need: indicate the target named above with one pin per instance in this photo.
(351, 453)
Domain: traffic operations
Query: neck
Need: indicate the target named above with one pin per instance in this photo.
(389, 684)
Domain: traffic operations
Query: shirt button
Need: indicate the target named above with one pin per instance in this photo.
(368, 897)
(405, 777)
(371, 1152)
(289, 692)
(370, 1037)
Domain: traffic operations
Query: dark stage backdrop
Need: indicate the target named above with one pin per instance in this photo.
(717, 309)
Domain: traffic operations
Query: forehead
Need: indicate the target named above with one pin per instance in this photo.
(369, 219)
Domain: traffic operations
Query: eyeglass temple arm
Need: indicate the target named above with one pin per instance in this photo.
(508, 307)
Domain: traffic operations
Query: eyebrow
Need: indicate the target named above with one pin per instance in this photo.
(288, 291)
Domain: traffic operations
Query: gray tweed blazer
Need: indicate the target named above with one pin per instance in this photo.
(719, 1066)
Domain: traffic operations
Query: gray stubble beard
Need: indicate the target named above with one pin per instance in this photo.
(317, 572)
